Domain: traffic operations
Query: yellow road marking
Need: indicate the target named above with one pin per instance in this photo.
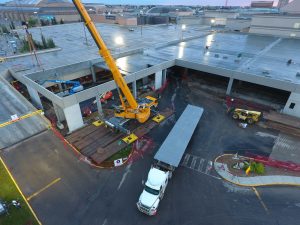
(260, 200)
(43, 189)
(17, 186)
(21, 118)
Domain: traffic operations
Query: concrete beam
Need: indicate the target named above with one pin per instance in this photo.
(108, 86)
(73, 117)
(252, 78)
(46, 93)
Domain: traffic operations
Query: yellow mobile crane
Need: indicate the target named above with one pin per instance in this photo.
(131, 109)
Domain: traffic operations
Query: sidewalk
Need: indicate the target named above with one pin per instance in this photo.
(253, 181)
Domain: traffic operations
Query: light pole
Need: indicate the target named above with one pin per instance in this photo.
(85, 37)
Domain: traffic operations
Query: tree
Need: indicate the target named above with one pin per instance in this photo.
(12, 25)
(43, 23)
(4, 29)
(53, 21)
(44, 42)
(32, 22)
(61, 21)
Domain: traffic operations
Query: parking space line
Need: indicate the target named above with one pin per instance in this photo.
(18, 188)
(201, 165)
(193, 164)
(260, 200)
(43, 189)
(186, 159)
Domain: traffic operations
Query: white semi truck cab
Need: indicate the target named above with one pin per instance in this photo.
(167, 160)
(153, 192)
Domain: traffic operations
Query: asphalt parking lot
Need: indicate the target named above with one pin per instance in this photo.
(83, 195)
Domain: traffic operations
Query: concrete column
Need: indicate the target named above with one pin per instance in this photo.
(134, 89)
(93, 73)
(60, 87)
(99, 106)
(164, 76)
(229, 86)
(73, 117)
(59, 113)
(35, 98)
(158, 80)
(292, 106)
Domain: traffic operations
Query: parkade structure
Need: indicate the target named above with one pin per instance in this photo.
(149, 50)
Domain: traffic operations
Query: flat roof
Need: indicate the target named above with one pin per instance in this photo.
(174, 146)
(12, 103)
(71, 41)
(249, 57)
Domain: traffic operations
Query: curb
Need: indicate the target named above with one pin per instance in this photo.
(251, 185)
(18, 188)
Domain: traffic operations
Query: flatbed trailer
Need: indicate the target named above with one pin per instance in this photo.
(168, 158)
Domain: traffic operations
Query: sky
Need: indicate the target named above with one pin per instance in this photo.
(170, 2)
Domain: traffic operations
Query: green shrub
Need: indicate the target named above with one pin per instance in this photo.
(257, 168)
(50, 43)
(32, 22)
(44, 41)
(4, 29)
(260, 168)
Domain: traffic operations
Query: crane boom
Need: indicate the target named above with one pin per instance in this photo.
(105, 53)
(131, 109)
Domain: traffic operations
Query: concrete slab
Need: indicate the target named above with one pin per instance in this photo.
(11, 102)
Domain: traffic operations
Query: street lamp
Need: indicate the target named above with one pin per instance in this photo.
(85, 37)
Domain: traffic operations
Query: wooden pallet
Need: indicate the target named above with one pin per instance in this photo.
(99, 142)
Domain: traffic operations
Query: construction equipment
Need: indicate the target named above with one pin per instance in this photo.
(130, 108)
(76, 86)
(249, 116)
